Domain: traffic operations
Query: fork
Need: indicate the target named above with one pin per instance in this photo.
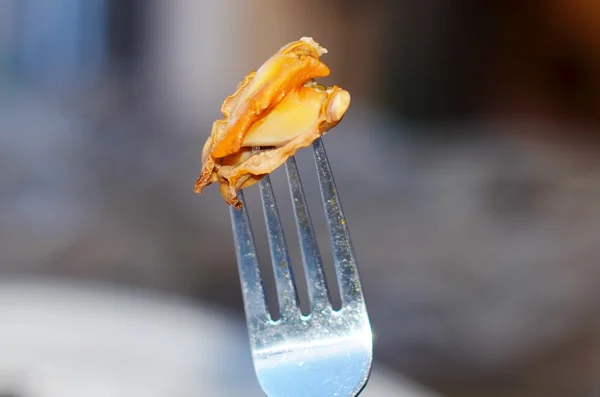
(327, 352)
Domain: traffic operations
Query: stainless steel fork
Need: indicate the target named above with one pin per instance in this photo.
(327, 352)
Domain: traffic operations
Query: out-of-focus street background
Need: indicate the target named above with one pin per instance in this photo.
(468, 166)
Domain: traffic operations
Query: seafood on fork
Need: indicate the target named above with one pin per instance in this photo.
(274, 111)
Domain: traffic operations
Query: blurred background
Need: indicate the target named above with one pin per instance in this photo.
(468, 166)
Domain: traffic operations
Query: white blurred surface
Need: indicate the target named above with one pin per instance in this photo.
(62, 340)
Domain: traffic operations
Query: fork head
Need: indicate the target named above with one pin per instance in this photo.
(327, 352)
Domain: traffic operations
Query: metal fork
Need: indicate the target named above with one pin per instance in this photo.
(327, 352)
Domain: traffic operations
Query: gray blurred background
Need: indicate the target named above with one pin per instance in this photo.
(468, 166)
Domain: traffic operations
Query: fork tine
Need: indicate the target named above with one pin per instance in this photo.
(284, 277)
(252, 286)
(311, 256)
(343, 253)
